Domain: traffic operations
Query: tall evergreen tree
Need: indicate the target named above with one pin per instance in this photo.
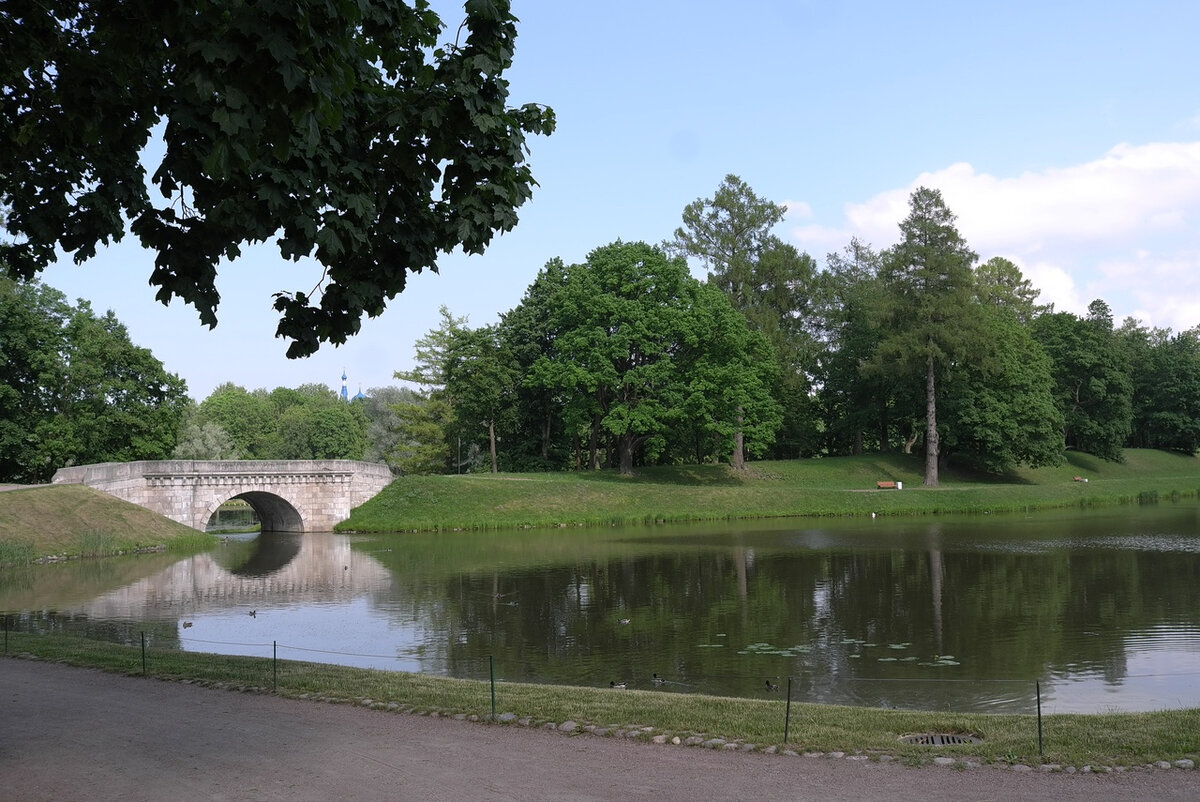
(769, 282)
(928, 319)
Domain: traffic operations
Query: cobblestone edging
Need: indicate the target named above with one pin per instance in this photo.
(647, 734)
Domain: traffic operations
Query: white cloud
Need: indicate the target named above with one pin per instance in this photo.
(797, 210)
(1057, 286)
(1120, 227)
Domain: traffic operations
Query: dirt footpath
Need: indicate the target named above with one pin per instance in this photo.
(79, 734)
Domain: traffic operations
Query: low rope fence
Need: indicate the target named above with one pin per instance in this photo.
(786, 684)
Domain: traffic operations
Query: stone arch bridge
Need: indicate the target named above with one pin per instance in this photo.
(287, 495)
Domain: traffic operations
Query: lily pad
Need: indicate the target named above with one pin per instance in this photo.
(777, 651)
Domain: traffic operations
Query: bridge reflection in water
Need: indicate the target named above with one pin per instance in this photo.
(304, 591)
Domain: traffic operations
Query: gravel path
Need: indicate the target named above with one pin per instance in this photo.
(78, 734)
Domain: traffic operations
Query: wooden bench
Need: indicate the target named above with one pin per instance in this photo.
(885, 485)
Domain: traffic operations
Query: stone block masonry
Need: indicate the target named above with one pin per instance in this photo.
(287, 495)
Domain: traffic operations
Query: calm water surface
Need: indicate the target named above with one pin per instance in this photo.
(1101, 607)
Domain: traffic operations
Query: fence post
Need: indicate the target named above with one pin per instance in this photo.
(143, 652)
(1038, 687)
(787, 714)
(492, 679)
(5, 634)
(274, 666)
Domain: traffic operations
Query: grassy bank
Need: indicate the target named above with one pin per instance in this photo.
(68, 521)
(826, 487)
(1077, 740)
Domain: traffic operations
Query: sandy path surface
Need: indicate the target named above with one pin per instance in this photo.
(79, 734)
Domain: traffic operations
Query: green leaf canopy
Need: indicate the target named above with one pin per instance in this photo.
(340, 129)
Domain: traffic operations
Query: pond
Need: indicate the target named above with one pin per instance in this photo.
(1102, 607)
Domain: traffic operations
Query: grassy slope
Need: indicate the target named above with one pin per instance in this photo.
(841, 486)
(74, 521)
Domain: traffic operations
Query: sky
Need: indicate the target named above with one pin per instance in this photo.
(1064, 135)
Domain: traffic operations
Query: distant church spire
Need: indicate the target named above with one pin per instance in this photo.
(345, 394)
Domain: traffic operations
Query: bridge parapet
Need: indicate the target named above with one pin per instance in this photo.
(288, 495)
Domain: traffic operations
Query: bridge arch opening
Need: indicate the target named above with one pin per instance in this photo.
(233, 516)
(275, 514)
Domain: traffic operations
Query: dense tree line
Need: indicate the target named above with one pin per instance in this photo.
(625, 359)
(628, 360)
(307, 422)
(74, 389)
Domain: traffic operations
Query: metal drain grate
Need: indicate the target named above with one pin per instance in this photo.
(939, 739)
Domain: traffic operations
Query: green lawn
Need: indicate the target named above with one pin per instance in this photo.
(821, 487)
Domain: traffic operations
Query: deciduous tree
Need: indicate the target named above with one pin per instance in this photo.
(204, 441)
(482, 378)
(250, 419)
(641, 349)
(1092, 384)
(382, 422)
(74, 389)
(345, 131)
(527, 332)
(618, 322)
(1165, 373)
(998, 407)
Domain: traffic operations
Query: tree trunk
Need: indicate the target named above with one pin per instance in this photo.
(883, 427)
(625, 451)
(492, 442)
(737, 460)
(594, 445)
(546, 438)
(931, 435)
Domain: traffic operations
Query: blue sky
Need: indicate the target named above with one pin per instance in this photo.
(1064, 135)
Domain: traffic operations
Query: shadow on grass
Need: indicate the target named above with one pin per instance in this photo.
(686, 475)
